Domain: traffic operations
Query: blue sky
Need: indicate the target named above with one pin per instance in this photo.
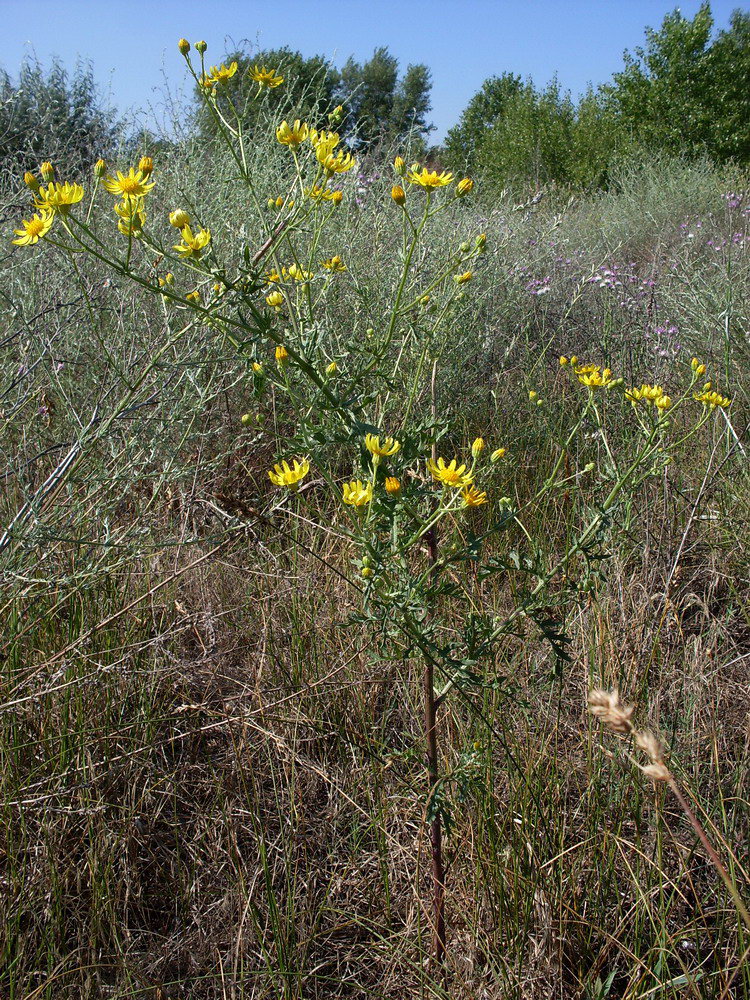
(133, 45)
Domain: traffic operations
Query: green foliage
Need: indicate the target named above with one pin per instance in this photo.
(50, 114)
(463, 141)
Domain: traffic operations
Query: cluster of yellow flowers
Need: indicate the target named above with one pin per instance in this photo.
(428, 180)
(649, 394)
(51, 200)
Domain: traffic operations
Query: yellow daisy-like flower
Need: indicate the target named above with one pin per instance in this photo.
(464, 187)
(284, 475)
(33, 229)
(192, 245)
(452, 475)
(292, 135)
(132, 216)
(59, 197)
(324, 139)
(282, 355)
(382, 449)
(130, 185)
(221, 74)
(338, 164)
(712, 399)
(392, 486)
(265, 77)
(323, 194)
(594, 376)
(334, 264)
(427, 179)
(275, 299)
(646, 394)
(473, 497)
(357, 493)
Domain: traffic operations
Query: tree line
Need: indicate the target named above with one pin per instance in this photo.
(685, 91)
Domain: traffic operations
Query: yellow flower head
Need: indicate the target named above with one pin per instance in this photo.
(265, 77)
(146, 166)
(47, 171)
(33, 229)
(337, 197)
(392, 486)
(283, 475)
(192, 245)
(698, 367)
(132, 216)
(398, 194)
(292, 135)
(282, 355)
(428, 179)
(31, 181)
(497, 454)
(461, 279)
(257, 368)
(473, 497)
(297, 273)
(399, 166)
(179, 219)
(382, 449)
(222, 74)
(357, 493)
(453, 475)
(647, 394)
(332, 368)
(563, 361)
(275, 299)
(334, 264)
(338, 164)
(184, 46)
(712, 399)
(194, 297)
(477, 447)
(59, 197)
(324, 140)
(130, 185)
(318, 193)
(594, 376)
(465, 186)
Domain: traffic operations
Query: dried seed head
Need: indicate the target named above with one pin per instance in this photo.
(657, 772)
(607, 707)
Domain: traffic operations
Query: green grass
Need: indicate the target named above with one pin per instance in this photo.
(213, 783)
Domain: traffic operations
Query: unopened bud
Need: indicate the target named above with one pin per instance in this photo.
(31, 181)
(399, 166)
(100, 168)
(201, 47)
(464, 187)
(497, 454)
(332, 368)
(398, 194)
(477, 447)
(47, 171)
(146, 165)
(179, 219)
(184, 46)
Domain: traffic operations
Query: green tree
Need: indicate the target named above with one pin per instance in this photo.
(484, 110)
(379, 105)
(729, 90)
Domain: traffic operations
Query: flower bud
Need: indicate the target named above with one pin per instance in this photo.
(275, 299)
(477, 447)
(246, 419)
(337, 197)
(179, 219)
(589, 467)
(257, 368)
(399, 166)
(481, 242)
(31, 181)
(146, 165)
(465, 247)
(497, 454)
(533, 395)
(461, 279)
(282, 355)
(184, 46)
(392, 486)
(201, 47)
(336, 115)
(563, 361)
(332, 368)
(100, 168)
(194, 296)
(367, 572)
(398, 194)
(47, 171)
(464, 187)
(574, 360)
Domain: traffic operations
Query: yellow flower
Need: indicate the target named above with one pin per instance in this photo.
(221, 74)
(334, 264)
(194, 296)
(337, 197)
(594, 376)
(712, 399)
(450, 475)
(398, 194)
(425, 179)
(132, 216)
(332, 368)
(257, 368)
(59, 197)
(292, 135)
(282, 355)
(477, 447)
(322, 194)
(399, 166)
(100, 168)
(283, 475)
(184, 46)
(179, 219)
(647, 394)
(338, 164)
(357, 493)
(272, 277)
(392, 486)
(275, 299)
(47, 171)
(563, 361)
(473, 497)
(146, 165)
(265, 77)
(192, 245)
(33, 229)
(497, 454)
(382, 449)
(297, 273)
(461, 279)
(465, 186)
(31, 181)
(168, 279)
(130, 185)
(324, 139)
(663, 402)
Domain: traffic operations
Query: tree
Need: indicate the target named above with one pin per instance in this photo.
(379, 105)
(50, 115)
(482, 113)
